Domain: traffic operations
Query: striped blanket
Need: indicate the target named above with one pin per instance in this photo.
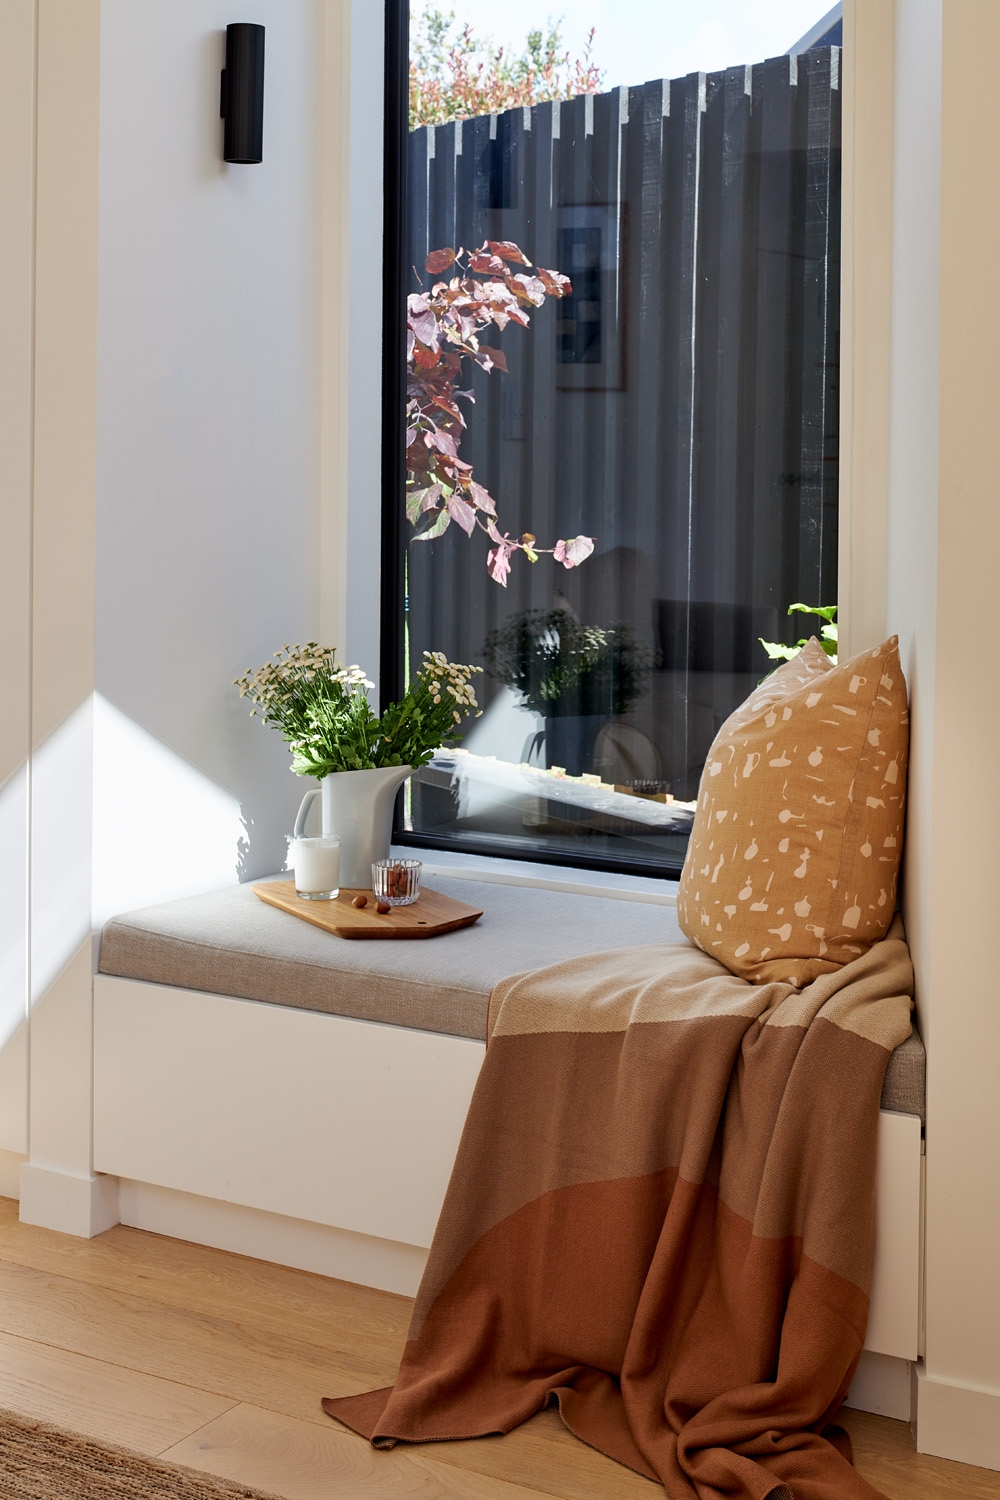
(662, 1218)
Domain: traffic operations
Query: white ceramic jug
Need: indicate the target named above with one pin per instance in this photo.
(357, 806)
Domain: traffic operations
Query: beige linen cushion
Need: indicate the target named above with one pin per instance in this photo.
(794, 854)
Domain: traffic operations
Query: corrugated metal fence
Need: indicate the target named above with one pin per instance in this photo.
(682, 406)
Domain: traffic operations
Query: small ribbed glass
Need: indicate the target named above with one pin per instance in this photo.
(396, 881)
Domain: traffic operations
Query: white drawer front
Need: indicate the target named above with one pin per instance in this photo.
(342, 1122)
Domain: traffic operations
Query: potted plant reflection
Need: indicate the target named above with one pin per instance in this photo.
(576, 676)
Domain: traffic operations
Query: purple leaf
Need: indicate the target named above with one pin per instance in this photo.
(425, 326)
(498, 564)
(462, 512)
(555, 283)
(495, 356)
(482, 499)
(486, 264)
(509, 251)
(573, 552)
(438, 261)
(533, 288)
(443, 442)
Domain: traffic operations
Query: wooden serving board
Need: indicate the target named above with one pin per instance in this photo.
(429, 915)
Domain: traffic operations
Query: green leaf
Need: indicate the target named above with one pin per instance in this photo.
(825, 611)
(777, 652)
(413, 503)
(441, 524)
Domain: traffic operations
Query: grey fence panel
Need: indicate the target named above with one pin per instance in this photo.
(682, 407)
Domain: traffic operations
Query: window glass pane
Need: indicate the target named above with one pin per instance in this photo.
(674, 398)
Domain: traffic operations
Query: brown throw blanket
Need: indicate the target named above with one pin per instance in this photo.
(662, 1217)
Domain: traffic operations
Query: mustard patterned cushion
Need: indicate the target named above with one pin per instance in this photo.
(794, 855)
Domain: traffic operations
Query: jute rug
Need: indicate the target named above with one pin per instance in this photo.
(39, 1462)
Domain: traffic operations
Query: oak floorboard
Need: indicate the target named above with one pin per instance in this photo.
(250, 1360)
(885, 1453)
(198, 1278)
(543, 1454)
(267, 1341)
(100, 1400)
(214, 1354)
(301, 1461)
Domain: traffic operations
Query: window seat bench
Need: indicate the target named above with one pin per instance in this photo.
(231, 943)
(263, 1085)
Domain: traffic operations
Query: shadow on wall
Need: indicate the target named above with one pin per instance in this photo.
(207, 143)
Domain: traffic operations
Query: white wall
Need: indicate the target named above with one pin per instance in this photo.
(960, 1399)
(208, 441)
(911, 591)
(61, 430)
(17, 148)
(943, 551)
(160, 375)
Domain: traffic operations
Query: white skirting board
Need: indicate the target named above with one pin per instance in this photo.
(10, 1174)
(286, 1242)
(883, 1385)
(958, 1422)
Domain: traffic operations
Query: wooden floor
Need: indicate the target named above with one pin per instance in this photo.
(219, 1362)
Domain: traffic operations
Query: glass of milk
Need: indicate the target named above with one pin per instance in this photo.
(316, 863)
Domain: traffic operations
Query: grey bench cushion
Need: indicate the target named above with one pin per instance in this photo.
(231, 943)
(905, 1078)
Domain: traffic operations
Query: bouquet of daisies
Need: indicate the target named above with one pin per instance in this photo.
(323, 711)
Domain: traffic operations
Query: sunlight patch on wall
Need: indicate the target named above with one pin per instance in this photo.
(162, 829)
(61, 788)
(13, 903)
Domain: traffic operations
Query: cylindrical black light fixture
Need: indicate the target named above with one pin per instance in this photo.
(242, 105)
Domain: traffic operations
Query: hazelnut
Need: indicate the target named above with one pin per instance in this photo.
(382, 907)
(360, 901)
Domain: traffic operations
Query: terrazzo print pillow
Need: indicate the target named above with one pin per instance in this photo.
(794, 855)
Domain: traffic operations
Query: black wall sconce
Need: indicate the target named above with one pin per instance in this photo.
(242, 103)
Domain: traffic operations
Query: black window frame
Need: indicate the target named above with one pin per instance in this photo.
(392, 605)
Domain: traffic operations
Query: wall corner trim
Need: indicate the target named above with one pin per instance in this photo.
(84, 1206)
(866, 340)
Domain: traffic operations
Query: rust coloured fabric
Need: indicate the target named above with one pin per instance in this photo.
(661, 1217)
